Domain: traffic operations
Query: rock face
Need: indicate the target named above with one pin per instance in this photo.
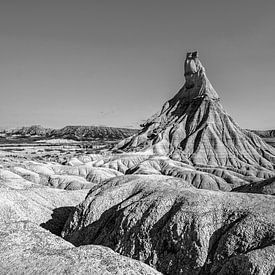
(193, 127)
(29, 249)
(176, 228)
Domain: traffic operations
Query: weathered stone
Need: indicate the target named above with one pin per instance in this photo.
(29, 249)
(172, 226)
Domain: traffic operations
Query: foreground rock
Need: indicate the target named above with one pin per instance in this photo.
(47, 207)
(26, 207)
(29, 249)
(176, 228)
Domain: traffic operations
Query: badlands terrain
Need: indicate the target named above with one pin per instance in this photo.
(189, 193)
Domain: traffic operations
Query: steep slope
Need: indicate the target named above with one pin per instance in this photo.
(194, 128)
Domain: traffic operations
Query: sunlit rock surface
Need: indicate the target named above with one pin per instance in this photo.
(177, 228)
(26, 248)
(29, 249)
(38, 204)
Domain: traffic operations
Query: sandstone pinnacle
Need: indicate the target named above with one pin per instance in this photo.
(194, 128)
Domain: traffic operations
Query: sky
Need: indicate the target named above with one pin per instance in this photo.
(115, 63)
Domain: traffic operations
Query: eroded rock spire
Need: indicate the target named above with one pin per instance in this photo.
(196, 81)
(193, 127)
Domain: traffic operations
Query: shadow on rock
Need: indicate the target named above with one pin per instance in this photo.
(58, 220)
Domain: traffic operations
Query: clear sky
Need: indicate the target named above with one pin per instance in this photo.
(115, 62)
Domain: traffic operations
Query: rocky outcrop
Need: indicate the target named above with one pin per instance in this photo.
(29, 249)
(194, 128)
(176, 228)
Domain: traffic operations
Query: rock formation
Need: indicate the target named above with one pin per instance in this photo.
(176, 228)
(194, 128)
(159, 213)
(31, 219)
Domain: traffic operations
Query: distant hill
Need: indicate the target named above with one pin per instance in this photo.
(264, 133)
(34, 130)
(74, 132)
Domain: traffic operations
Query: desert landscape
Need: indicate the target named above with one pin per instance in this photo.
(137, 137)
(188, 193)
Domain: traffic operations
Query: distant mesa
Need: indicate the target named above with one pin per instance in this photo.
(74, 132)
(193, 127)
